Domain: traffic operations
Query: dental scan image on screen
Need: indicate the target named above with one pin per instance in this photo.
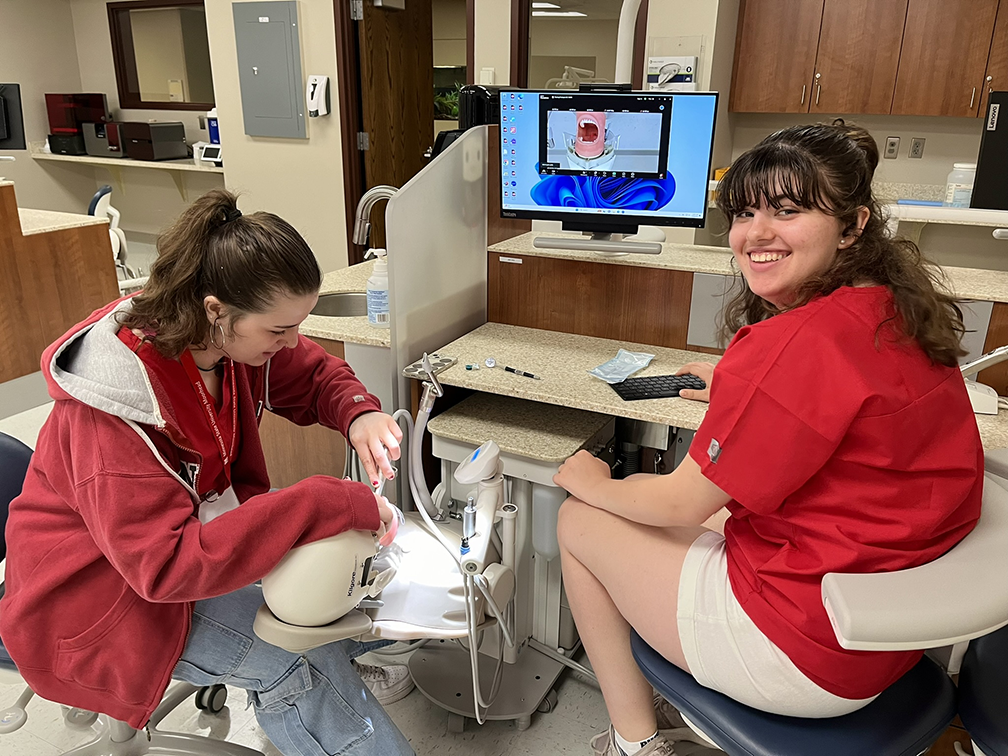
(642, 155)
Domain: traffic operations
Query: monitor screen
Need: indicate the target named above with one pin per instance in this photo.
(606, 160)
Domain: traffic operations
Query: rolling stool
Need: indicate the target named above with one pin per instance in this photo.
(983, 693)
(534, 440)
(959, 596)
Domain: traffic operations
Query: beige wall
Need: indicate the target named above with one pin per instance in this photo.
(492, 43)
(449, 17)
(157, 35)
(41, 57)
(298, 179)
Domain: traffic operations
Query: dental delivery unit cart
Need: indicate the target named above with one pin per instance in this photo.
(480, 580)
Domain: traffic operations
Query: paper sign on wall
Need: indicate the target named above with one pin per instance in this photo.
(675, 73)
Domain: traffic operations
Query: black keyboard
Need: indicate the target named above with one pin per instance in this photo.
(656, 386)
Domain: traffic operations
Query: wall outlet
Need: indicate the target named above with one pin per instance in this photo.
(892, 147)
(917, 147)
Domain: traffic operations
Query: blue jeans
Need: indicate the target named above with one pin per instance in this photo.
(310, 704)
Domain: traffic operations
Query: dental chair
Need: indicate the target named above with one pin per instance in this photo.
(114, 738)
(101, 207)
(959, 596)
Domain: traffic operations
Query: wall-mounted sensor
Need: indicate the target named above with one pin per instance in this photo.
(318, 96)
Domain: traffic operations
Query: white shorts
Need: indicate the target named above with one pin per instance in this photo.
(726, 652)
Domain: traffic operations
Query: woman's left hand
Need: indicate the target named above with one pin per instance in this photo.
(371, 434)
(581, 474)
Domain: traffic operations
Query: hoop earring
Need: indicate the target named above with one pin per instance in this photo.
(219, 327)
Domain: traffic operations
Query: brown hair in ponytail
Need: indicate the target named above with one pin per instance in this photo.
(246, 261)
(830, 168)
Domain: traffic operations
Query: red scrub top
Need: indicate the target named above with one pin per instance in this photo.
(844, 449)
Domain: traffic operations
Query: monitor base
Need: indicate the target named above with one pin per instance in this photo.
(606, 245)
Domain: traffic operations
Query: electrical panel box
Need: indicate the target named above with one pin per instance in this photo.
(269, 69)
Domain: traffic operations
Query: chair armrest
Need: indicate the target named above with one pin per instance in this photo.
(961, 595)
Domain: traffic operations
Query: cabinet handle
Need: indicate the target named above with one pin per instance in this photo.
(972, 97)
(817, 91)
(803, 93)
(989, 87)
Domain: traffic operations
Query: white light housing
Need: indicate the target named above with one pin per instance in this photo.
(545, 5)
(569, 14)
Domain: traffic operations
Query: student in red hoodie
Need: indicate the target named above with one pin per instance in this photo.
(146, 517)
(839, 436)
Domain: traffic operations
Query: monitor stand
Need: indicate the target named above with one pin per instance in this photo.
(605, 244)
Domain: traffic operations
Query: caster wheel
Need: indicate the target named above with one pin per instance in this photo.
(80, 719)
(548, 703)
(456, 723)
(524, 722)
(211, 698)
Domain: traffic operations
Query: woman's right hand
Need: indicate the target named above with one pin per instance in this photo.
(702, 370)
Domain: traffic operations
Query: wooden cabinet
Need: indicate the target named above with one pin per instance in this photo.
(899, 57)
(775, 53)
(997, 61)
(858, 56)
(294, 452)
(944, 58)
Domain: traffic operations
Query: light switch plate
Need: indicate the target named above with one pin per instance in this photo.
(917, 147)
(892, 147)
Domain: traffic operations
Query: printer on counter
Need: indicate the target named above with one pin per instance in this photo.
(103, 140)
(67, 115)
(162, 140)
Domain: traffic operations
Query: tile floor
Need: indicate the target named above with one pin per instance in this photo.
(579, 714)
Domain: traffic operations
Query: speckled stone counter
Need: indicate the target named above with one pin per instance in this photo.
(562, 361)
(353, 330)
(966, 283)
(43, 221)
(544, 432)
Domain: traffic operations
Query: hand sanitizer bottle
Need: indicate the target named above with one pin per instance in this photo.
(378, 292)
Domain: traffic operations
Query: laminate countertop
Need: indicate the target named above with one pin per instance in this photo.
(352, 330)
(562, 361)
(965, 283)
(43, 221)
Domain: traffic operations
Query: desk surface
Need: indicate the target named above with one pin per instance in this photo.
(563, 360)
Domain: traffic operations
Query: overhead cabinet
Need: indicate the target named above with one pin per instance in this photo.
(905, 57)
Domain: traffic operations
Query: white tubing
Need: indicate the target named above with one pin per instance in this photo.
(624, 41)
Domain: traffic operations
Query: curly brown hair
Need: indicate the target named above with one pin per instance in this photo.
(246, 261)
(830, 167)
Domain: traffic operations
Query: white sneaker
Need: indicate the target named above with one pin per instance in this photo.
(388, 684)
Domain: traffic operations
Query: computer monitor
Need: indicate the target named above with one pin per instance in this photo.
(607, 162)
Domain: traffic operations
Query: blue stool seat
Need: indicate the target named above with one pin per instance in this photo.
(903, 721)
(983, 692)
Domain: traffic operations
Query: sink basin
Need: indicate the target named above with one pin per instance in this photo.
(341, 305)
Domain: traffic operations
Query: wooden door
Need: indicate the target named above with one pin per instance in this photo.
(997, 62)
(775, 55)
(944, 58)
(397, 96)
(859, 51)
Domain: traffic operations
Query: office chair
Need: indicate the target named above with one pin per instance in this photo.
(957, 597)
(101, 207)
(114, 738)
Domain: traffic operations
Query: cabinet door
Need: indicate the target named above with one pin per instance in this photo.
(944, 57)
(859, 50)
(295, 452)
(775, 53)
(997, 63)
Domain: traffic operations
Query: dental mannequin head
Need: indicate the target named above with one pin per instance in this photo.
(804, 222)
(229, 284)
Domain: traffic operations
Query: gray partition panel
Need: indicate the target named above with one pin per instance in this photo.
(269, 68)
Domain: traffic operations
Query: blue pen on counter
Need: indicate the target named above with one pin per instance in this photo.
(919, 203)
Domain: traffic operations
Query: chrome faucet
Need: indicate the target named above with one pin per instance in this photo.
(362, 225)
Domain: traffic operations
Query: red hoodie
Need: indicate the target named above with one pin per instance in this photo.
(106, 553)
